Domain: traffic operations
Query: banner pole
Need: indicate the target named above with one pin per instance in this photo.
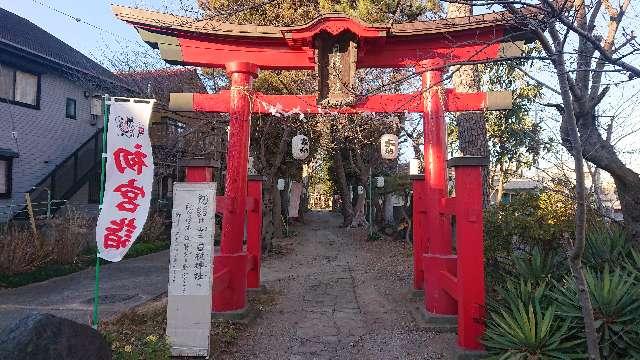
(103, 157)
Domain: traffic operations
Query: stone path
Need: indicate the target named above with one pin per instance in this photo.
(123, 285)
(341, 298)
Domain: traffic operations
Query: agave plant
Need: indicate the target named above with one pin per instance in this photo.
(528, 328)
(616, 308)
(605, 246)
(633, 262)
(536, 267)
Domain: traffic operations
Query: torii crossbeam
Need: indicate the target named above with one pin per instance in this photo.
(335, 45)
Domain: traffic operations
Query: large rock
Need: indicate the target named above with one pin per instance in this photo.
(46, 337)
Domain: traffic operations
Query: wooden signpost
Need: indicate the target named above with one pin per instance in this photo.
(189, 302)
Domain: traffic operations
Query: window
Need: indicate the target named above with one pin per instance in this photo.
(71, 108)
(5, 177)
(19, 87)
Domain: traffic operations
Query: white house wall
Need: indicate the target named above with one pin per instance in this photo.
(45, 137)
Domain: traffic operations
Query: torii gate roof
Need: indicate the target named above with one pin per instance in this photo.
(208, 43)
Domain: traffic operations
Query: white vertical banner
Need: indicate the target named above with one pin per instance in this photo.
(190, 270)
(129, 177)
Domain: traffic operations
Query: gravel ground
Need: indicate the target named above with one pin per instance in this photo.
(340, 297)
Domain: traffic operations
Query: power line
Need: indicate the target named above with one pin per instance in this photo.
(78, 19)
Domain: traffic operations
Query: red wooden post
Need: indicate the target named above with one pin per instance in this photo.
(419, 231)
(438, 239)
(470, 250)
(232, 258)
(254, 231)
(197, 170)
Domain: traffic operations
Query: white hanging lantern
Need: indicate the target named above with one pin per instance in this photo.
(389, 146)
(379, 182)
(281, 183)
(300, 147)
(360, 189)
(414, 166)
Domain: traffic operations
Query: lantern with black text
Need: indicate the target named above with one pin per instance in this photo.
(389, 146)
(300, 147)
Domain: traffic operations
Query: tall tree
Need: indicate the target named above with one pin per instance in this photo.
(472, 131)
(583, 46)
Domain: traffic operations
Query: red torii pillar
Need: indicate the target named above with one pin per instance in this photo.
(431, 228)
(453, 284)
(438, 241)
(233, 258)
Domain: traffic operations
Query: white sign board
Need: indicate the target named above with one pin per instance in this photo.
(190, 269)
(129, 178)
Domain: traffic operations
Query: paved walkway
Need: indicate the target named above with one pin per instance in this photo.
(123, 285)
(341, 298)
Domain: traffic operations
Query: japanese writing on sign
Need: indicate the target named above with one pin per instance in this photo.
(129, 178)
(192, 233)
(190, 268)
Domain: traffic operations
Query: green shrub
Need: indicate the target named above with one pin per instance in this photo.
(523, 324)
(633, 261)
(536, 267)
(605, 246)
(615, 298)
(531, 221)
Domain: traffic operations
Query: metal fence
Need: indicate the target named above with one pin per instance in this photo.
(41, 210)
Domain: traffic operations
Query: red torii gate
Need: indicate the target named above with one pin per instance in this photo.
(454, 284)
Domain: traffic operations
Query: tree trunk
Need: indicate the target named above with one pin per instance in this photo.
(268, 228)
(472, 130)
(346, 207)
(570, 128)
(602, 154)
(500, 188)
(378, 204)
(277, 212)
(388, 209)
(360, 216)
(272, 220)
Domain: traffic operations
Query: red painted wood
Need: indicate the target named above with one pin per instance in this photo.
(254, 233)
(267, 54)
(242, 75)
(438, 239)
(447, 205)
(276, 53)
(449, 283)
(457, 101)
(221, 204)
(382, 103)
(419, 232)
(304, 36)
(221, 280)
(453, 48)
(198, 174)
(437, 300)
(232, 256)
(230, 292)
(470, 251)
